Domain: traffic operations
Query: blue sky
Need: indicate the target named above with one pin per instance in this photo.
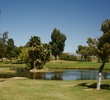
(77, 19)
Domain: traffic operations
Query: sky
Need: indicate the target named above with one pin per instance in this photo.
(77, 19)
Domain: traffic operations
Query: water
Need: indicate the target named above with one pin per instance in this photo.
(71, 75)
(58, 75)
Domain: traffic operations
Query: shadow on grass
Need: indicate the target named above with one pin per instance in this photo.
(94, 85)
(2, 80)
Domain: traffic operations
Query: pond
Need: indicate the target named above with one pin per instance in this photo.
(58, 75)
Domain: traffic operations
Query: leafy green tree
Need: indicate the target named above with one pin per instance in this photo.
(64, 56)
(23, 56)
(68, 57)
(4, 37)
(57, 42)
(92, 45)
(2, 50)
(83, 51)
(10, 49)
(101, 47)
(3, 46)
(105, 26)
(87, 51)
(17, 51)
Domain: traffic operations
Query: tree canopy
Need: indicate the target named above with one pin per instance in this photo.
(104, 43)
(3, 37)
(57, 42)
(39, 53)
(10, 48)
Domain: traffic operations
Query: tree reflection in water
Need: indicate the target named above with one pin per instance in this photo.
(58, 75)
(70, 75)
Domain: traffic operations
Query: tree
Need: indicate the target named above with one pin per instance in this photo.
(68, 57)
(17, 51)
(39, 53)
(2, 50)
(34, 41)
(4, 37)
(3, 47)
(46, 53)
(87, 51)
(83, 51)
(103, 47)
(23, 56)
(57, 42)
(10, 49)
(92, 45)
(34, 45)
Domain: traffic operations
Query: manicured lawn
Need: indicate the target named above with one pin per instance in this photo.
(9, 68)
(72, 65)
(56, 65)
(26, 89)
(12, 65)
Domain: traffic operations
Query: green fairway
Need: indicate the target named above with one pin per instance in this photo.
(75, 65)
(26, 89)
(9, 68)
(4, 68)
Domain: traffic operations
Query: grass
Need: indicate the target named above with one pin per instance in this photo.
(14, 89)
(75, 65)
(56, 65)
(9, 68)
(28, 89)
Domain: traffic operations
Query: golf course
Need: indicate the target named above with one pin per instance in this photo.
(21, 88)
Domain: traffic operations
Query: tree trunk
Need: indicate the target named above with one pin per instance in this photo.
(34, 65)
(100, 75)
(55, 57)
(99, 81)
(81, 57)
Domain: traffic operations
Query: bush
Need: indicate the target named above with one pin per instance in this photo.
(88, 59)
(66, 56)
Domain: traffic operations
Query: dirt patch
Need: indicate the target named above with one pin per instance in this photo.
(88, 89)
(21, 78)
(39, 70)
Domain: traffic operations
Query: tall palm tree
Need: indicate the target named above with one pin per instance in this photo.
(34, 41)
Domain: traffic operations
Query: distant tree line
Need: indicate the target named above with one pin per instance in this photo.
(86, 52)
(68, 57)
(34, 53)
(7, 48)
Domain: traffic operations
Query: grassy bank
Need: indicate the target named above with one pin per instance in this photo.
(56, 65)
(14, 89)
(9, 68)
(75, 65)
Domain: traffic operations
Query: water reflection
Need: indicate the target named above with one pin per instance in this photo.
(71, 75)
(58, 75)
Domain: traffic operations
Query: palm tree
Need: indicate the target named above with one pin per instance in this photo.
(39, 53)
(33, 44)
(34, 41)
